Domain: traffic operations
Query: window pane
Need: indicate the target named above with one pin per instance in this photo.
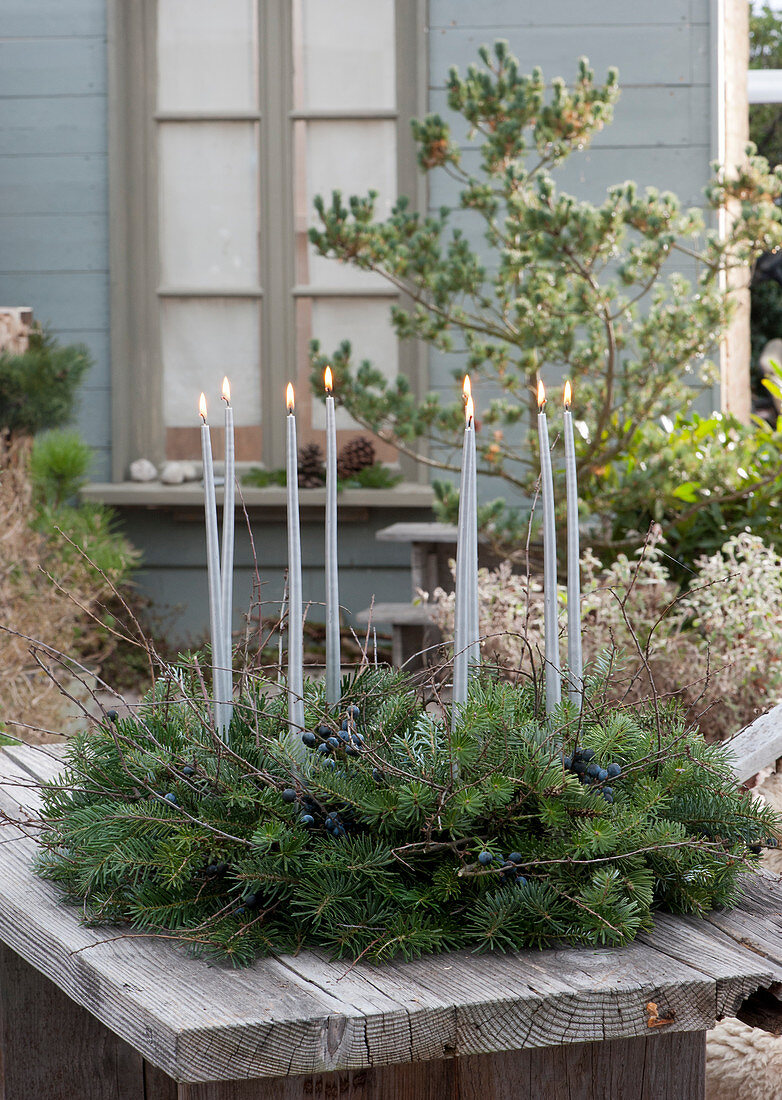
(207, 52)
(202, 340)
(352, 157)
(208, 204)
(348, 49)
(367, 324)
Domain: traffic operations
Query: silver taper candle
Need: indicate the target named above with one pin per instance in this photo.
(213, 570)
(333, 664)
(574, 655)
(227, 559)
(550, 629)
(295, 623)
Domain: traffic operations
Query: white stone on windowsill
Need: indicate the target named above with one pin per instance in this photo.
(177, 473)
(142, 470)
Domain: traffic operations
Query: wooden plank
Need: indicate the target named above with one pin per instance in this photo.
(52, 66)
(75, 303)
(53, 124)
(400, 614)
(664, 1067)
(661, 55)
(153, 494)
(737, 971)
(40, 762)
(757, 924)
(55, 184)
(21, 19)
(418, 532)
(378, 993)
(670, 1066)
(53, 1049)
(565, 13)
(55, 242)
(758, 745)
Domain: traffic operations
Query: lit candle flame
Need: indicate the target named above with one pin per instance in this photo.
(328, 381)
(541, 396)
(226, 395)
(289, 398)
(469, 410)
(466, 387)
(568, 398)
(202, 407)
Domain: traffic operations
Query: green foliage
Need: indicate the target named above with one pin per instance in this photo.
(153, 823)
(38, 386)
(703, 479)
(376, 476)
(83, 534)
(89, 534)
(587, 288)
(59, 462)
(258, 478)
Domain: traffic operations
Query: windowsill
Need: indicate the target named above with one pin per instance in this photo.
(154, 494)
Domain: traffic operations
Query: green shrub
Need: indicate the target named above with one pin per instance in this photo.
(58, 467)
(98, 543)
(702, 479)
(38, 387)
(716, 649)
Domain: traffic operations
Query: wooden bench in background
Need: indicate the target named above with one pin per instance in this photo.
(96, 1014)
(414, 636)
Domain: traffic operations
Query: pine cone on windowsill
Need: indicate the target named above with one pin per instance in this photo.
(312, 468)
(355, 456)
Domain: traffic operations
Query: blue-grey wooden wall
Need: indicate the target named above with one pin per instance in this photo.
(54, 183)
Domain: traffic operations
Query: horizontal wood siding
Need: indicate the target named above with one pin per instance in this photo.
(54, 184)
(174, 567)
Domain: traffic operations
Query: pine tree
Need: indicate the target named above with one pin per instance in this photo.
(588, 288)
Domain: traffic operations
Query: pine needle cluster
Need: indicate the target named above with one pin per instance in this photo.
(398, 835)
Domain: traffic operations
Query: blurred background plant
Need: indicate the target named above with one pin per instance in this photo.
(765, 130)
(38, 386)
(716, 651)
(63, 560)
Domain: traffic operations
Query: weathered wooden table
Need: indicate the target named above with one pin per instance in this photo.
(97, 1015)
